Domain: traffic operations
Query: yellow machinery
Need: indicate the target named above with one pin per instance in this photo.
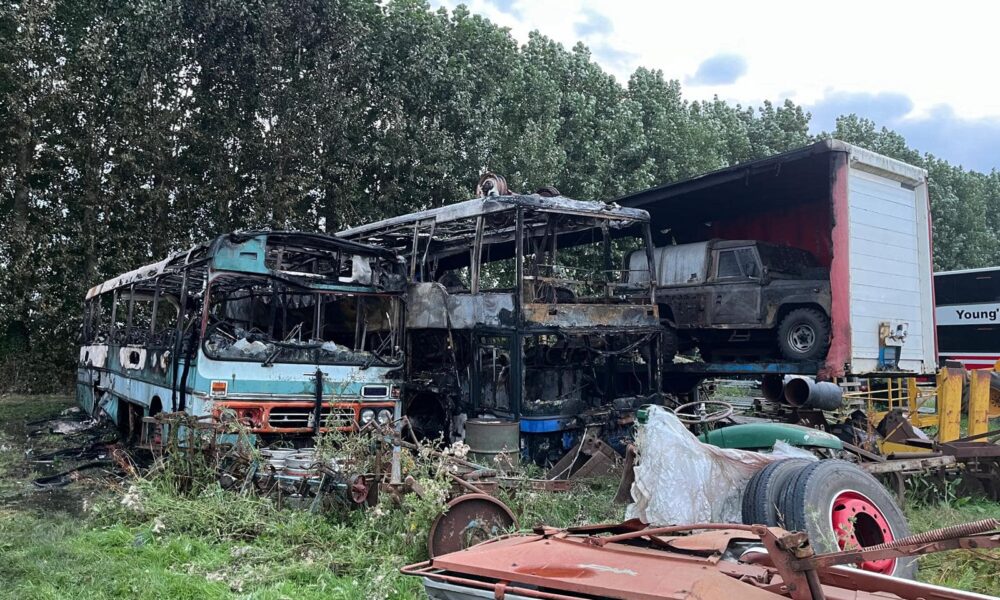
(937, 405)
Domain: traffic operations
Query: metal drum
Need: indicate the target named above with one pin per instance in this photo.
(493, 443)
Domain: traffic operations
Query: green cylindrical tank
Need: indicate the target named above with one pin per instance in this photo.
(493, 443)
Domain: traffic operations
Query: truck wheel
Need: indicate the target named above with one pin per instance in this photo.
(764, 490)
(841, 507)
(804, 334)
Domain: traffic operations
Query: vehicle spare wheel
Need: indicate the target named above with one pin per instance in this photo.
(841, 507)
(804, 334)
(764, 490)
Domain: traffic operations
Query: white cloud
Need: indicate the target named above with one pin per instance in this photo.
(941, 54)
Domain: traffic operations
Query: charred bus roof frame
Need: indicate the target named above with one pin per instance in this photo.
(216, 255)
(454, 236)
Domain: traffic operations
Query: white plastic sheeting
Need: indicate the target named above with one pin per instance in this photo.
(678, 479)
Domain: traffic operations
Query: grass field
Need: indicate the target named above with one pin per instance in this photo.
(139, 539)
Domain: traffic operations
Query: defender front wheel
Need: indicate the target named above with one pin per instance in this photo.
(804, 334)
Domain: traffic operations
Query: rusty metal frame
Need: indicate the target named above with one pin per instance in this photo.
(790, 568)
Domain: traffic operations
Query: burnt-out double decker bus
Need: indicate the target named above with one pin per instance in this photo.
(520, 318)
(968, 316)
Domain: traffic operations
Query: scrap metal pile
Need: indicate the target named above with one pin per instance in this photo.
(709, 561)
(347, 470)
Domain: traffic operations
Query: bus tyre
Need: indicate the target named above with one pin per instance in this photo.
(841, 507)
(804, 334)
(763, 492)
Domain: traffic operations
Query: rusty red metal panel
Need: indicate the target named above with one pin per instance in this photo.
(840, 278)
(612, 571)
(580, 563)
(707, 542)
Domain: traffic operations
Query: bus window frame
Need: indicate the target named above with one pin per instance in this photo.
(396, 322)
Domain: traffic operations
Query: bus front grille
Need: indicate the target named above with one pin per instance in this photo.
(301, 417)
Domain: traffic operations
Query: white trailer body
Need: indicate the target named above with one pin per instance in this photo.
(891, 273)
(863, 215)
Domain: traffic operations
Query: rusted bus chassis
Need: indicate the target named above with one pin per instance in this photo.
(516, 309)
(292, 332)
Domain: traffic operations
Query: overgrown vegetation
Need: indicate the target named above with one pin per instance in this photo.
(143, 539)
(136, 128)
(973, 570)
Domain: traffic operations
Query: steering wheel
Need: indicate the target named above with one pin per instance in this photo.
(220, 326)
(703, 411)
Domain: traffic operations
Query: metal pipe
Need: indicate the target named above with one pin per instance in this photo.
(773, 387)
(803, 392)
(815, 587)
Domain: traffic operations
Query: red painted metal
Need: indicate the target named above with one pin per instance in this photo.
(840, 275)
(974, 361)
(566, 565)
(804, 225)
(425, 569)
(858, 523)
(261, 411)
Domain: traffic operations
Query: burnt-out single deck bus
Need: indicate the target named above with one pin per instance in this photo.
(292, 332)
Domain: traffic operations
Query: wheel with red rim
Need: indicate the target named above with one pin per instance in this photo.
(842, 507)
(859, 523)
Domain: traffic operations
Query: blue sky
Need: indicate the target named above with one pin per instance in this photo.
(927, 71)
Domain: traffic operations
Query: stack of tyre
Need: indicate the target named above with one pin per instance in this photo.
(839, 505)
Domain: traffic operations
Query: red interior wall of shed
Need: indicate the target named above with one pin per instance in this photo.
(809, 226)
(806, 225)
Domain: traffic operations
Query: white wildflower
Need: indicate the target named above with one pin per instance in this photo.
(459, 449)
(132, 499)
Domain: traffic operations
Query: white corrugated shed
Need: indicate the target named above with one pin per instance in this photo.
(890, 260)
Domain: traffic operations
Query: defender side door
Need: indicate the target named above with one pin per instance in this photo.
(734, 298)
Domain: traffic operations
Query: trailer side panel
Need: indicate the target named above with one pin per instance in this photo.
(890, 264)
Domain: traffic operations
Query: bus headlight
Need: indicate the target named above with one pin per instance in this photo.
(367, 415)
(384, 416)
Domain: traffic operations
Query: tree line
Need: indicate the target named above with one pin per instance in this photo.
(133, 128)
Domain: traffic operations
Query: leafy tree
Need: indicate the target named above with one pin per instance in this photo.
(135, 128)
